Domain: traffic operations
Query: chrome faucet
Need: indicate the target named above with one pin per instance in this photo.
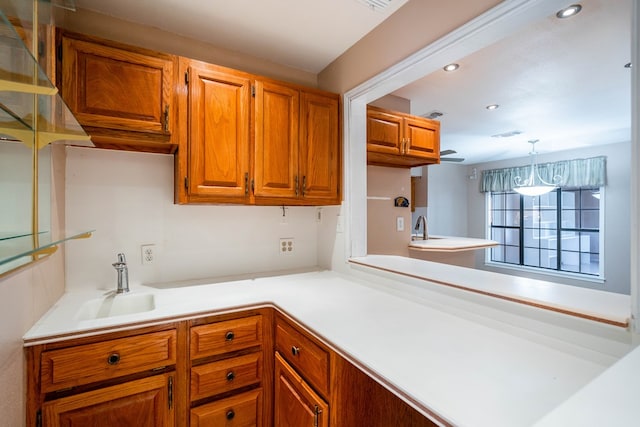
(422, 219)
(123, 274)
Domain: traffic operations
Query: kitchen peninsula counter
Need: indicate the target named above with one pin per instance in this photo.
(464, 368)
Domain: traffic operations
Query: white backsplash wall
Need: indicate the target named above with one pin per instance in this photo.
(127, 198)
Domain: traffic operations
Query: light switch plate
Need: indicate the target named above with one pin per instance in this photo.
(400, 223)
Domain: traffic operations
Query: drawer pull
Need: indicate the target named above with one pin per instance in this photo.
(113, 359)
(230, 376)
(230, 414)
(295, 350)
(229, 336)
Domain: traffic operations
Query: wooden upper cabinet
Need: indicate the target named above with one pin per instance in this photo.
(217, 148)
(276, 140)
(401, 140)
(297, 146)
(320, 155)
(384, 132)
(123, 96)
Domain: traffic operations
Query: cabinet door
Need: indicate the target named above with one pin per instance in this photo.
(276, 141)
(140, 403)
(423, 138)
(384, 132)
(110, 87)
(320, 155)
(242, 410)
(218, 153)
(296, 404)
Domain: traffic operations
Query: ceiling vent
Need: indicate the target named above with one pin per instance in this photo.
(377, 5)
(507, 134)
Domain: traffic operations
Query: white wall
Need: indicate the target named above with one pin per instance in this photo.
(447, 199)
(616, 214)
(128, 199)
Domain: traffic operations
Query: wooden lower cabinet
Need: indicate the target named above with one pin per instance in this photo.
(141, 403)
(296, 404)
(242, 410)
(251, 368)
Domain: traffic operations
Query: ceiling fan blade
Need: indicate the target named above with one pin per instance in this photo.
(451, 159)
(447, 152)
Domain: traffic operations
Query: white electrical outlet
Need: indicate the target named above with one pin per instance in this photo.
(400, 223)
(286, 246)
(148, 254)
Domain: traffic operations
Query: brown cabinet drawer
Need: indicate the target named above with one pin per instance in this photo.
(225, 375)
(227, 336)
(242, 410)
(310, 360)
(84, 364)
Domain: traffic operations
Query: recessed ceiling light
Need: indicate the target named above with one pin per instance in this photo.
(492, 106)
(451, 67)
(569, 11)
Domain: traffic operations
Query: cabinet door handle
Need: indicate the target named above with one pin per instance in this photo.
(316, 415)
(295, 350)
(229, 336)
(230, 414)
(246, 183)
(231, 376)
(166, 118)
(304, 185)
(296, 185)
(113, 359)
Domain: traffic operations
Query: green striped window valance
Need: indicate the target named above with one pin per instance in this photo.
(574, 173)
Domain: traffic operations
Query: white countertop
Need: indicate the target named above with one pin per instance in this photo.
(605, 307)
(451, 244)
(466, 372)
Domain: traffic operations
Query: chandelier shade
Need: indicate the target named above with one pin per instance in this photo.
(534, 185)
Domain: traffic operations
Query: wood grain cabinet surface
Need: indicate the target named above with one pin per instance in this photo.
(121, 378)
(250, 368)
(123, 96)
(213, 163)
(401, 140)
(253, 140)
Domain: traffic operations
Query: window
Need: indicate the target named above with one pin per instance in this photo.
(555, 231)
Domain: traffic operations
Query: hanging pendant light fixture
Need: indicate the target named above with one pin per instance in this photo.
(534, 185)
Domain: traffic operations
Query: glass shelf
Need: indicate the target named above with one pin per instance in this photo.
(32, 116)
(24, 248)
(25, 88)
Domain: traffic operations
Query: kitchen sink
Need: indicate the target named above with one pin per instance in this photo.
(116, 305)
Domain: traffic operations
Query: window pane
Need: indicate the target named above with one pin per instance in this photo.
(532, 257)
(512, 254)
(531, 239)
(570, 218)
(549, 259)
(497, 218)
(497, 234)
(512, 236)
(497, 200)
(497, 254)
(513, 201)
(531, 218)
(549, 200)
(594, 242)
(589, 200)
(570, 241)
(590, 263)
(591, 219)
(570, 199)
(570, 261)
(512, 218)
(548, 219)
